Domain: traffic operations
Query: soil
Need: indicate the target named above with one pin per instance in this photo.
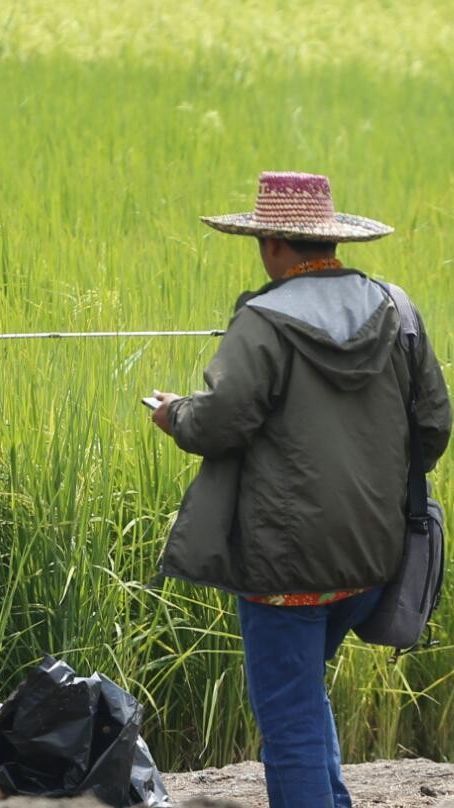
(407, 783)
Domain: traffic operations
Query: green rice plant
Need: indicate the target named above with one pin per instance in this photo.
(120, 126)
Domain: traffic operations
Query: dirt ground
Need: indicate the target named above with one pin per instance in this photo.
(395, 784)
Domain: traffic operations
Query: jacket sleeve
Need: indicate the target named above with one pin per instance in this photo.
(244, 380)
(432, 405)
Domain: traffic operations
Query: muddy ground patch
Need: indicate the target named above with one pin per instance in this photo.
(396, 784)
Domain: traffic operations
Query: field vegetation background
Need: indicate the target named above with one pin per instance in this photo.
(121, 123)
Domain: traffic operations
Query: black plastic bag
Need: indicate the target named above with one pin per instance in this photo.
(61, 735)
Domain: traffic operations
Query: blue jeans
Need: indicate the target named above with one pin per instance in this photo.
(286, 648)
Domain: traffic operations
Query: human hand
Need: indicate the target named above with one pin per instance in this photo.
(161, 415)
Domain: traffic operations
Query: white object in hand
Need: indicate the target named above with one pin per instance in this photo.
(152, 402)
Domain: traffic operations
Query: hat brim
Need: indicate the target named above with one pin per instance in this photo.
(342, 227)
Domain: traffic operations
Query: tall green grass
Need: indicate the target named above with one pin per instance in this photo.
(122, 123)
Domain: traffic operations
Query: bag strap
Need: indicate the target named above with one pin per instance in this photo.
(409, 337)
(409, 325)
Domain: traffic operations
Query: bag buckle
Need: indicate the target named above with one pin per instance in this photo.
(418, 524)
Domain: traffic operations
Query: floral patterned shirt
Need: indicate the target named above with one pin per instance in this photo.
(306, 598)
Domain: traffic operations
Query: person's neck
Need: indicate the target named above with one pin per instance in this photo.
(317, 258)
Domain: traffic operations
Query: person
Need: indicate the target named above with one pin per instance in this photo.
(299, 505)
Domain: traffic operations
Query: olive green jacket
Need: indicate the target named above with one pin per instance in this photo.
(304, 434)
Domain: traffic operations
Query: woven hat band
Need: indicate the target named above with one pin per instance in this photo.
(292, 198)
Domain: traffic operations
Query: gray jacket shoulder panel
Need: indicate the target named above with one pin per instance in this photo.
(337, 305)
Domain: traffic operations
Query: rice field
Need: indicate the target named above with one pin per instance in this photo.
(121, 123)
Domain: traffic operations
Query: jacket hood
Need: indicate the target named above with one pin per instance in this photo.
(343, 323)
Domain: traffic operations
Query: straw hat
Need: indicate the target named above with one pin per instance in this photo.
(298, 206)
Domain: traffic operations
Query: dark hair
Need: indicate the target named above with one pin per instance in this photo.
(300, 245)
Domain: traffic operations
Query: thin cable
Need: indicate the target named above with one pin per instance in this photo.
(103, 334)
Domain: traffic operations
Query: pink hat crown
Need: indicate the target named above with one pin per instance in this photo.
(290, 198)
